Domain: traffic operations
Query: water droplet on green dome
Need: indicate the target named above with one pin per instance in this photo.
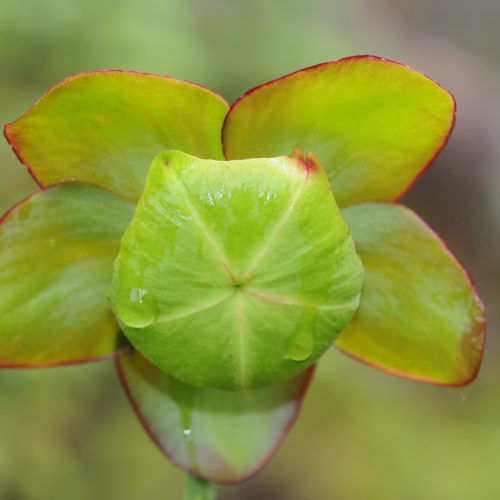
(301, 345)
(138, 309)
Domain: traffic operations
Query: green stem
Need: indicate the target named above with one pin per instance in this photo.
(199, 489)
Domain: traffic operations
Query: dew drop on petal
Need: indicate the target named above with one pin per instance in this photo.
(301, 345)
(138, 308)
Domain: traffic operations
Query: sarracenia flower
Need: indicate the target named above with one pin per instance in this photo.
(262, 233)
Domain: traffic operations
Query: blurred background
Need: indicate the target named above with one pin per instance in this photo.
(68, 433)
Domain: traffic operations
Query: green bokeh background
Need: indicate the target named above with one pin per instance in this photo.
(68, 433)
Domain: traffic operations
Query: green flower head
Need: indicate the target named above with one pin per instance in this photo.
(216, 252)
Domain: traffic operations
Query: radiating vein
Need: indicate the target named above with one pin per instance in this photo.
(273, 235)
(191, 311)
(204, 229)
(240, 330)
(290, 301)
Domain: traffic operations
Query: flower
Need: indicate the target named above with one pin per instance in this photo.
(374, 125)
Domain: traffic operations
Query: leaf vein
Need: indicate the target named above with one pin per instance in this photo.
(191, 311)
(289, 301)
(273, 235)
(204, 229)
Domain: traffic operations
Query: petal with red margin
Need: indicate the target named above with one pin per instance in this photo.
(373, 123)
(420, 316)
(57, 249)
(105, 127)
(223, 436)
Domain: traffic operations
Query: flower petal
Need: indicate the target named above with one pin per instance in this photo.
(420, 316)
(57, 249)
(373, 123)
(222, 436)
(105, 127)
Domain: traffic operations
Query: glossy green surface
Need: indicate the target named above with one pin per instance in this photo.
(56, 253)
(106, 127)
(220, 435)
(374, 124)
(235, 274)
(419, 315)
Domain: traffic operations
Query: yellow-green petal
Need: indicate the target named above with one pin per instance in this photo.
(420, 316)
(56, 253)
(222, 436)
(373, 123)
(105, 127)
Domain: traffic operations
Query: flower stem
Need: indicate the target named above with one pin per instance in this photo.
(199, 489)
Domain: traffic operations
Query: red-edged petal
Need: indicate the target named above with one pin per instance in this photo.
(375, 124)
(420, 316)
(57, 249)
(105, 127)
(223, 436)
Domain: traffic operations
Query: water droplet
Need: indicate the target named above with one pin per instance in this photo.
(210, 199)
(187, 433)
(301, 345)
(219, 194)
(138, 309)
